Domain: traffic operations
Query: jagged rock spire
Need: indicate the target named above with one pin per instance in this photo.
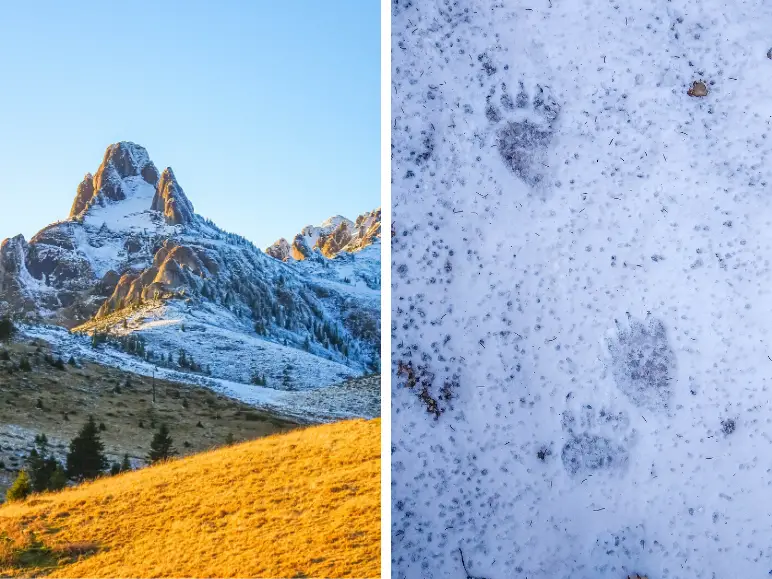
(171, 200)
(83, 196)
(121, 161)
(12, 253)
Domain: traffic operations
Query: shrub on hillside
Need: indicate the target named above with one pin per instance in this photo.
(20, 489)
(58, 479)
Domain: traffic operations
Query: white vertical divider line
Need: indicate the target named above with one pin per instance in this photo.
(386, 289)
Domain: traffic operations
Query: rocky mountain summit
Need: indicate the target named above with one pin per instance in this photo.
(329, 239)
(133, 257)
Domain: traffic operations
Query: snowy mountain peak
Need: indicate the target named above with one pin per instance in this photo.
(130, 160)
(123, 165)
(333, 236)
(136, 264)
(335, 221)
(122, 161)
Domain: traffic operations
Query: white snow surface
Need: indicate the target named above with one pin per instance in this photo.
(132, 213)
(213, 336)
(590, 274)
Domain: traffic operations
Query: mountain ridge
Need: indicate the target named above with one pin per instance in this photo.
(335, 235)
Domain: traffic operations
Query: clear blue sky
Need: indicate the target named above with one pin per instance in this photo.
(268, 111)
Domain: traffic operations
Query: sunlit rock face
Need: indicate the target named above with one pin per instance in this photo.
(121, 162)
(171, 200)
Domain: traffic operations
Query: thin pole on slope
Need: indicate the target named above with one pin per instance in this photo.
(154, 385)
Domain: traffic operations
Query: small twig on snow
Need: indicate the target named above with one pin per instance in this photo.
(463, 564)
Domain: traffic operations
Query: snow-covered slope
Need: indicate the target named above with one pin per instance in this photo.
(580, 289)
(135, 264)
(306, 400)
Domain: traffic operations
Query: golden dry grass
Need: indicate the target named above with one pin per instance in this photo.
(301, 504)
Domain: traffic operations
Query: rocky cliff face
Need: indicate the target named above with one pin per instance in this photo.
(119, 216)
(170, 200)
(367, 229)
(280, 250)
(84, 194)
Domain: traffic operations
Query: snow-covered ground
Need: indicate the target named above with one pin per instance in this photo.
(356, 274)
(318, 398)
(582, 259)
(132, 213)
(212, 336)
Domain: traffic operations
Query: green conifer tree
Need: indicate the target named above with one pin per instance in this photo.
(86, 459)
(41, 465)
(58, 479)
(161, 446)
(7, 329)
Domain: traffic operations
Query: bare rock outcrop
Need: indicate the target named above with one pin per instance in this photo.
(280, 250)
(173, 269)
(171, 200)
(84, 195)
(300, 248)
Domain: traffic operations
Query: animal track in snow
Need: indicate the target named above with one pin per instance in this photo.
(643, 363)
(615, 552)
(598, 440)
(527, 130)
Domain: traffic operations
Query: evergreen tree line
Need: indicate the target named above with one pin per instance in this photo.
(85, 460)
(135, 345)
(25, 365)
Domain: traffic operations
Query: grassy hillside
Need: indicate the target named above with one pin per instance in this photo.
(57, 402)
(301, 504)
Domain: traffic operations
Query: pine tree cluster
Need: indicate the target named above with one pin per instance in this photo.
(85, 460)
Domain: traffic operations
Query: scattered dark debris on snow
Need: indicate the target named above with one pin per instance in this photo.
(420, 380)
